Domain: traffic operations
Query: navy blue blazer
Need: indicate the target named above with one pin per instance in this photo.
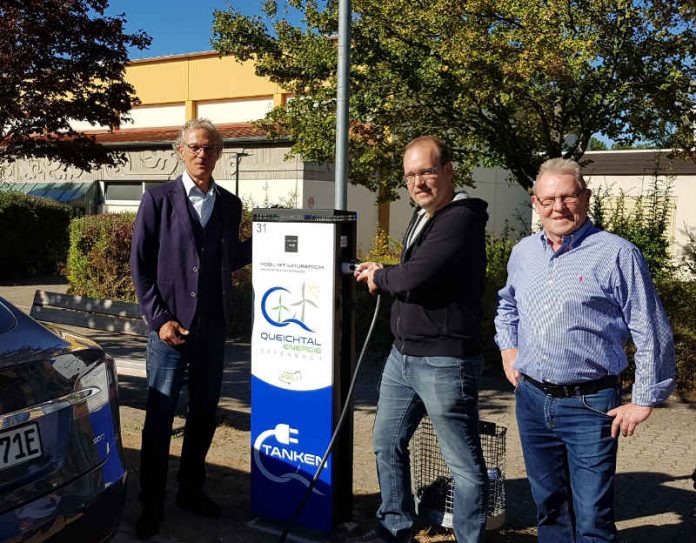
(164, 259)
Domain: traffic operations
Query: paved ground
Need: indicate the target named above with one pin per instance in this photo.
(655, 498)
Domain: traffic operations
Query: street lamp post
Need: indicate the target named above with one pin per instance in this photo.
(238, 156)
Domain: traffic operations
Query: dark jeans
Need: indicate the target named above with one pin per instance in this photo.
(571, 460)
(203, 355)
(447, 389)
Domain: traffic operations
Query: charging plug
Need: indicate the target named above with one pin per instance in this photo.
(347, 268)
(283, 434)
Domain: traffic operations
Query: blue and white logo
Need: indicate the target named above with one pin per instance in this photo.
(280, 307)
(280, 449)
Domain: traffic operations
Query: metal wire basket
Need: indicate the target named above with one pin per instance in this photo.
(433, 486)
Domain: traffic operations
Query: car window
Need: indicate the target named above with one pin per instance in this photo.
(7, 319)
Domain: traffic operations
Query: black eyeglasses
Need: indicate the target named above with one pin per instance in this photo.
(196, 149)
(429, 173)
(566, 199)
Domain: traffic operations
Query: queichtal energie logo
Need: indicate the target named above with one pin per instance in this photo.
(280, 307)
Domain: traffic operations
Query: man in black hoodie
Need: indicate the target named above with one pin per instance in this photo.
(435, 362)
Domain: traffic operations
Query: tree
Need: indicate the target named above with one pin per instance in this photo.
(63, 61)
(505, 82)
(597, 145)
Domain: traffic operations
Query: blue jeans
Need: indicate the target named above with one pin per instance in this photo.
(203, 355)
(571, 461)
(445, 388)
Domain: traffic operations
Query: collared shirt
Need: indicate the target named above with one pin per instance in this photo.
(202, 202)
(570, 313)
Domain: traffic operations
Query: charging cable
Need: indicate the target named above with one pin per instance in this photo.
(293, 519)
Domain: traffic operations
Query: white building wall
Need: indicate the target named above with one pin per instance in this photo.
(684, 194)
(317, 194)
(509, 207)
(235, 111)
(683, 197)
(156, 116)
(84, 126)
(362, 201)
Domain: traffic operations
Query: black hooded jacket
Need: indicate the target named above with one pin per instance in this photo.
(439, 282)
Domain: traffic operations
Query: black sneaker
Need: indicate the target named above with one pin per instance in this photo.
(199, 503)
(148, 524)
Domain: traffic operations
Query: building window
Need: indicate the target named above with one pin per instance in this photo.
(124, 191)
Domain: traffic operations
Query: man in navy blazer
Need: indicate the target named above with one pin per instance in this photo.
(185, 247)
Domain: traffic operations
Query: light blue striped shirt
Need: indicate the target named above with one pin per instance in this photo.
(202, 202)
(570, 313)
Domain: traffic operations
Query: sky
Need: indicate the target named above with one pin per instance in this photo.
(176, 26)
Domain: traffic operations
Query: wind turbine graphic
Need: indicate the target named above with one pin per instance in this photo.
(280, 307)
(303, 302)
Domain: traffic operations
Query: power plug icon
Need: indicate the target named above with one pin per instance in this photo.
(283, 434)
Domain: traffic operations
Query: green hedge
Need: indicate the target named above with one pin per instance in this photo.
(98, 259)
(33, 235)
(98, 264)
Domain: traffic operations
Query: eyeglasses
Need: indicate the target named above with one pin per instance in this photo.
(428, 173)
(566, 199)
(196, 149)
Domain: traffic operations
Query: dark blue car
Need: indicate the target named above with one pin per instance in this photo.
(62, 470)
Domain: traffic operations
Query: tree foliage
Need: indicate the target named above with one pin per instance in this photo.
(62, 61)
(505, 82)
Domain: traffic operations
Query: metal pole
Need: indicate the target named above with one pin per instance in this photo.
(236, 174)
(342, 97)
(238, 156)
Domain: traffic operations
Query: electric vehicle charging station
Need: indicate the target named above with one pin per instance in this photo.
(302, 353)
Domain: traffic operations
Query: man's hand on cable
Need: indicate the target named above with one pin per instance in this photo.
(365, 273)
(172, 333)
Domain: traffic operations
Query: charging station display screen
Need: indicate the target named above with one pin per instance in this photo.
(292, 353)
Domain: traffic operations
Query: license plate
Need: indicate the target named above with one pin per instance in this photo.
(19, 445)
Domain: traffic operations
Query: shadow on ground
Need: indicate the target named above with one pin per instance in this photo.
(227, 486)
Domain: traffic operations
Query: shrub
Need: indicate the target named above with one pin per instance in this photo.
(643, 220)
(33, 235)
(98, 259)
(384, 249)
(679, 298)
(498, 250)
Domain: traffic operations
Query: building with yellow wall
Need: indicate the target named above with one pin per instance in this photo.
(174, 89)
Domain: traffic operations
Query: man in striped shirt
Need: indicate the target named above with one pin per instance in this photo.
(573, 296)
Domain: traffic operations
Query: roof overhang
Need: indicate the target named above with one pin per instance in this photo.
(232, 134)
(66, 192)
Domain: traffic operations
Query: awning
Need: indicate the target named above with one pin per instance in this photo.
(70, 193)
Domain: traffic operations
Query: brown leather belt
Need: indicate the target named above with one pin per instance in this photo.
(579, 389)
